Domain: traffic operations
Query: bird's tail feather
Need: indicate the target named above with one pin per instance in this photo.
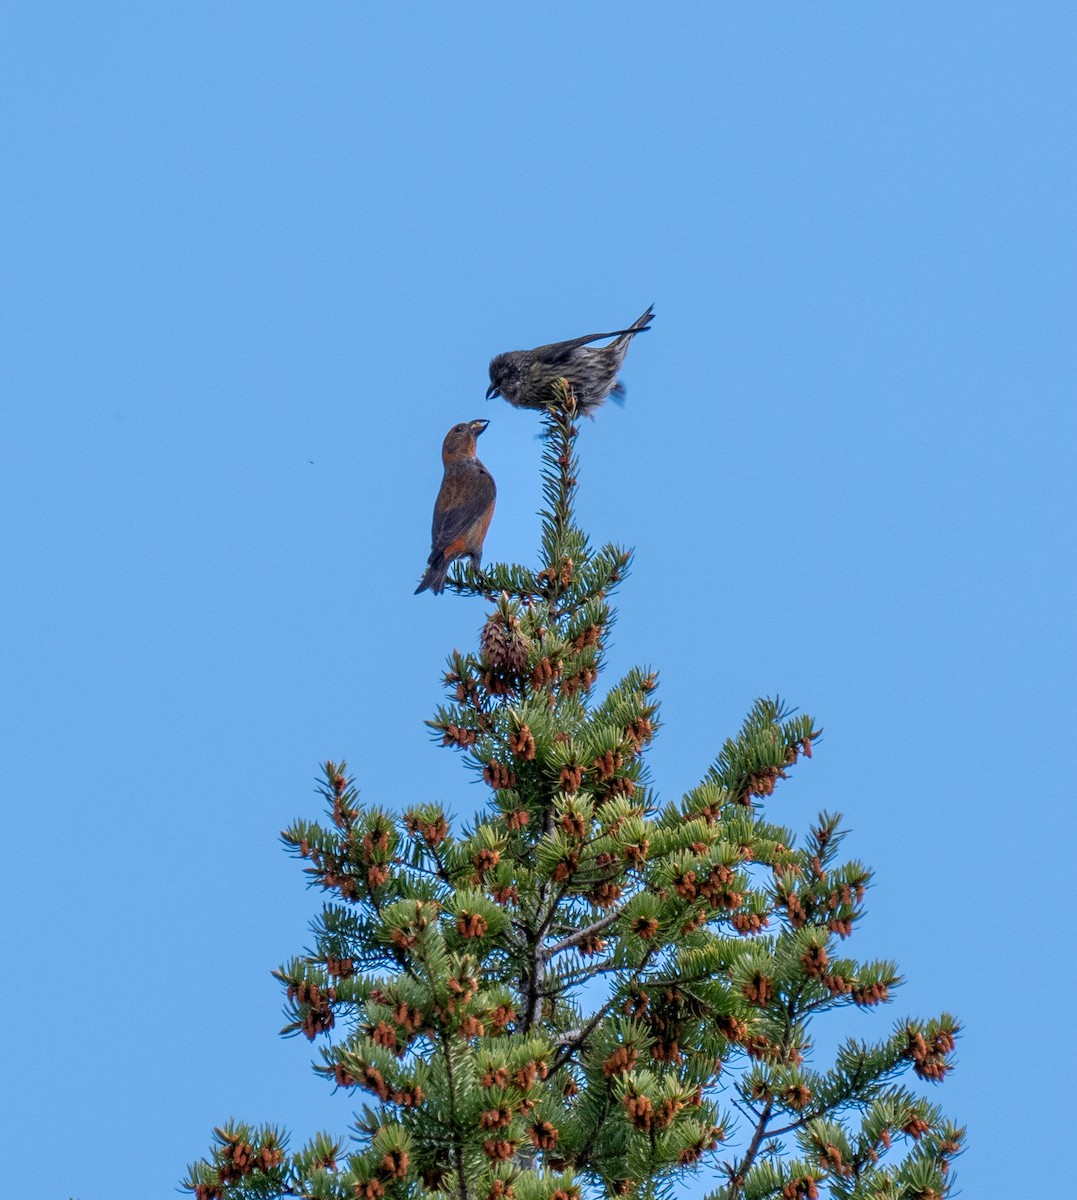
(619, 348)
(434, 578)
(641, 323)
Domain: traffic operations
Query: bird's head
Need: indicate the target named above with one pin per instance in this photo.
(460, 440)
(506, 375)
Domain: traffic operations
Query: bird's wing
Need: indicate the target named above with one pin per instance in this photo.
(560, 352)
(557, 352)
(465, 496)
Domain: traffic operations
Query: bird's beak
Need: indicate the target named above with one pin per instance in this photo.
(492, 391)
(478, 427)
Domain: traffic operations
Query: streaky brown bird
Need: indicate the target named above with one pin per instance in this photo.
(463, 508)
(526, 378)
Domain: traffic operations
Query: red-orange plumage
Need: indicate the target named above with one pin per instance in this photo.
(464, 506)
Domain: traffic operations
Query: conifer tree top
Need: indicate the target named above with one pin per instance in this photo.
(586, 989)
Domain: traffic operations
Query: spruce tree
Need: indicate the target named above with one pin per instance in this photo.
(586, 990)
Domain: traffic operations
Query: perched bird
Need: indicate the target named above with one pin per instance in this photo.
(526, 377)
(463, 508)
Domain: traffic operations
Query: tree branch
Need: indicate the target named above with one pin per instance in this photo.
(568, 1048)
(574, 939)
(737, 1175)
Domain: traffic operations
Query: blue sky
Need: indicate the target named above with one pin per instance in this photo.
(256, 258)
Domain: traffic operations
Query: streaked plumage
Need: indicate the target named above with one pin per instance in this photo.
(526, 377)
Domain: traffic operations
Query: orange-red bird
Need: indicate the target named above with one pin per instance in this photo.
(463, 508)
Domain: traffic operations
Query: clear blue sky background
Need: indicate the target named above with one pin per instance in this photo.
(256, 257)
